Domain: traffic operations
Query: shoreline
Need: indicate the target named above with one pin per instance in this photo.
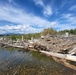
(58, 57)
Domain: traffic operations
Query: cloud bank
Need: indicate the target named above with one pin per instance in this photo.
(25, 21)
(21, 21)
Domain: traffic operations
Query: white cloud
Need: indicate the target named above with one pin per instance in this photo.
(67, 15)
(39, 2)
(10, 1)
(67, 21)
(70, 18)
(73, 8)
(17, 29)
(47, 10)
(19, 16)
(61, 26)
(29, 23)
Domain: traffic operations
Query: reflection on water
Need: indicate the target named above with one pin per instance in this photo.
(21, 62)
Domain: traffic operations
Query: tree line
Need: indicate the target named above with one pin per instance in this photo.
(71, 31)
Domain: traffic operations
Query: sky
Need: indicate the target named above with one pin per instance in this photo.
(32, 16)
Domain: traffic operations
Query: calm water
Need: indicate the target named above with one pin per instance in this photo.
(20, 62)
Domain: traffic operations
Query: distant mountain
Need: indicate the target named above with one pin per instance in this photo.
(7, 34)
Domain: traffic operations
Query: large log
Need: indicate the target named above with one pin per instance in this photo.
(62, 56)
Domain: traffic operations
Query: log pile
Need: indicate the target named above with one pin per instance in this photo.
(55, 44)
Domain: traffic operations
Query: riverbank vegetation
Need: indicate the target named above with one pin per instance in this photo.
(71, 31)
(50, 31)
(19, 36)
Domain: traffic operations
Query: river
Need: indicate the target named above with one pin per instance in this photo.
(15, 61)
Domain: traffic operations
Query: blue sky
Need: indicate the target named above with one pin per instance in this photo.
(30, 16)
